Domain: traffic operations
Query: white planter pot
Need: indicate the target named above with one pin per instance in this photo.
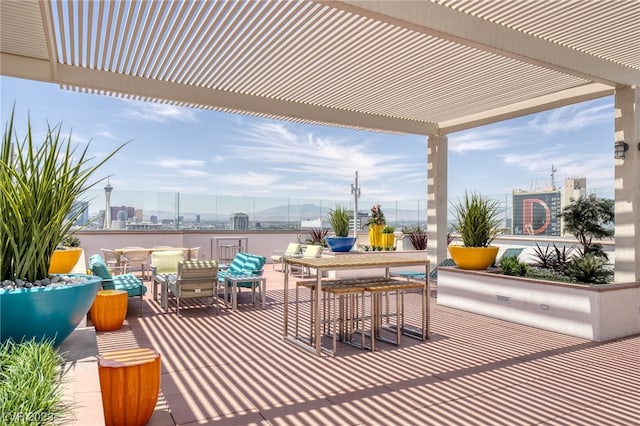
(597, 312)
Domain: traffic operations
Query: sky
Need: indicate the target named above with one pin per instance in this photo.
(174, 149)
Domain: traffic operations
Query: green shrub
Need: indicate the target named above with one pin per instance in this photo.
(548, 274)
(31, 384)
(590, 269)
(512, 266)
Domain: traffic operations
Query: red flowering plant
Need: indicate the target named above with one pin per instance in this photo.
(377, 216)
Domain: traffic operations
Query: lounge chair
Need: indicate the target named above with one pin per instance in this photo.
(196, 278)
(416, 275)
(128, 282)
(311, 251)
(292, 249)
(511, 252)
(164, 262)
(243, 264)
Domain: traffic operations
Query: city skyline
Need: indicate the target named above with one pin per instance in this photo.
(173, 149)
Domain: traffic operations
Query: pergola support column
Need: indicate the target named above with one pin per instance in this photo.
(627, 185)
(437, 199)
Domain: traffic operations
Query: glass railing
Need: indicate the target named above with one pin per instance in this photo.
(137, 210)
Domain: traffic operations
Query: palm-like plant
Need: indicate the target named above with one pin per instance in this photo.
(588, 218)
(38, 186)
(477, 220)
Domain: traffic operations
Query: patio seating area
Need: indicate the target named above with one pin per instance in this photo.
(234, 368)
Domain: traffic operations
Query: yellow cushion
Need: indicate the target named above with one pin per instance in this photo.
(166, 261)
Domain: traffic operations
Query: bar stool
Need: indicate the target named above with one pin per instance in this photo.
(383, 288)
(342, 300)
(345, 317)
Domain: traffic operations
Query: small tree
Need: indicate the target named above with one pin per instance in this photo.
(587, 218)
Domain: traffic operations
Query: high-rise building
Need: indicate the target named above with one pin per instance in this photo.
(153, 219)
(239, 221)
(107, 210)
(574, 188)
(80, 206)
(536, 212)
(138, 216)
(122, 219)
(129, 211)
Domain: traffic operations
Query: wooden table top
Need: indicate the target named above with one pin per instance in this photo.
(357, 261)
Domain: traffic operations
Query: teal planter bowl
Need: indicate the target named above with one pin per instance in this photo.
(46, 312)
(340, 244)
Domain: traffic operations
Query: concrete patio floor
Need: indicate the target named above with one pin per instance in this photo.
(233, 368)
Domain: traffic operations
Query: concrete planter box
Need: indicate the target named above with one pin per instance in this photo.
(598, 313)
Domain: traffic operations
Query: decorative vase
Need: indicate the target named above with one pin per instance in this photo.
(340, 244)
(63, 261)
(50, 312)
(474, 258)
(375, 235)
(387, 240)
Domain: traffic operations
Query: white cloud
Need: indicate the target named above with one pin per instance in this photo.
(598, 169)
(159, 112)
(482, 139)
(571, 117)
(250, 179)
(177, 164)
(308, 155)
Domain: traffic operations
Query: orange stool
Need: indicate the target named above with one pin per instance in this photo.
(109, 309)
(130, 383)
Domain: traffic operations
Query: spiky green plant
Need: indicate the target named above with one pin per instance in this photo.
(39, 184)
(339, 220)
(477, 220)
(31, 384)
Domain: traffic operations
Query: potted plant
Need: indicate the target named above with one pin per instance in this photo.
(387, 237)
(339, 220)
(317, 236)
(39, 184)
(418, 238)
(478, 223)
(377, 221)
(65, 256)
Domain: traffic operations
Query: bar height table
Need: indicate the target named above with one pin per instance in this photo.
(349, 262)
(224, 249)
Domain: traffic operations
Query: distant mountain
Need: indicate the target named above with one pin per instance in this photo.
(293, 212)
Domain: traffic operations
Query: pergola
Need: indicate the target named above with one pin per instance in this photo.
(421, 67)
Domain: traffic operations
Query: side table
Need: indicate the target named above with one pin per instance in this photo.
(164, 280)
(232, 281)
(130, 384)
(109, 309)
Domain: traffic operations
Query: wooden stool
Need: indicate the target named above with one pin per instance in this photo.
(379, 289)
(130, 383)
(109, 309)
(345, 318)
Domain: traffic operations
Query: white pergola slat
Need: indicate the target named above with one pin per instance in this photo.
(429, 67)
(401, 66)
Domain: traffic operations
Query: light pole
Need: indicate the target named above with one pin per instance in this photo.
(355, 190)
